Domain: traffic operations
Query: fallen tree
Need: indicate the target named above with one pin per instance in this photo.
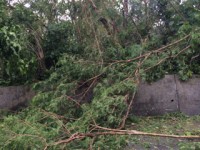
(89, 95)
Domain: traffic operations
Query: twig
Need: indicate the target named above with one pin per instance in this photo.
(75, 101)
(93, 5)
(89, 88)
(137, 75)
(57, 117)
(127, 112)
(162, 60)
(93, 78)
(194, 57)
(178, 11)
(91, 143)
(108, 131)
(152, 52)
(182, 51)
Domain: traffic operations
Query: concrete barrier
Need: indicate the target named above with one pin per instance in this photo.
(168, 95)
(164, 96)
(189, 96)
(13, 96)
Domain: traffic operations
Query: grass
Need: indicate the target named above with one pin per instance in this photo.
(176, 123)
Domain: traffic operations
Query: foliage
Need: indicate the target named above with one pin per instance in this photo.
(97, 57)
(17, 63)
(58, 40)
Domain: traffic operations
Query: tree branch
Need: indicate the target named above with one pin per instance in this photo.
(80, 136)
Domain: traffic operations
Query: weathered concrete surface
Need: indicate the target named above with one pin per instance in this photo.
(156, 98)
(164, 96)
(168, 95)
(189, 96)
(13, 96)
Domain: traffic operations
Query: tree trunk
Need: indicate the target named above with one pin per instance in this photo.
(125, 10)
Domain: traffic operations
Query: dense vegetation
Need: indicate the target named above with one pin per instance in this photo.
(87, 58)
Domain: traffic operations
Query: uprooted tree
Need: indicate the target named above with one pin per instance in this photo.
(98, 52)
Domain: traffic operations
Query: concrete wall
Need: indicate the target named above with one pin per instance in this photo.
(189, 96)
(13, 96)
(168, 95)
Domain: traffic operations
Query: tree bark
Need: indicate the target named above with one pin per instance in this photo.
(125, 11)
